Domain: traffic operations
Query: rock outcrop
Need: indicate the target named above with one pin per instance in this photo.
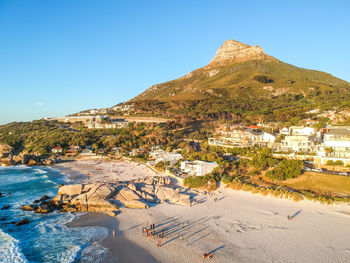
(5, 150)
(71, 189)
(105, 197)
(234, 50)
(8, 159)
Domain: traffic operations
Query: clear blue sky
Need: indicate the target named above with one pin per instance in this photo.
(60, 57)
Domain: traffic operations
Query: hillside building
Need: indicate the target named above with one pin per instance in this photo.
(198, 168)
(297, 143)
(237, 136)
(160, 155)
(335, 146)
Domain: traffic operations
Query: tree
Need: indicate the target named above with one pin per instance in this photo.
(95, 147)
(286, 169)
(339, 162)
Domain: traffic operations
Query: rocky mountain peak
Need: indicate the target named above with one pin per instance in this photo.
(233, 50)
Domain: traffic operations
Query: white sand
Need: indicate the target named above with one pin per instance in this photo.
(100, 171)
(245, 229)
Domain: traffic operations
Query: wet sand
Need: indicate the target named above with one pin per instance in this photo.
(120, 249)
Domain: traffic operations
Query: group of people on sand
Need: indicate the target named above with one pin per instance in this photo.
(150, 232)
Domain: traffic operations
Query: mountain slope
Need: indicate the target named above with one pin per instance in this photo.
(242, 79)
(238, 66)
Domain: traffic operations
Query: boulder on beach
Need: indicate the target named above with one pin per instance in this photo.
(147, 197)
(22, 222)
(172, 196)
(135, 204)
(127, 194)
(102, 192)
(87, 187)
(112, 213)
(71, 189)
(101, 206)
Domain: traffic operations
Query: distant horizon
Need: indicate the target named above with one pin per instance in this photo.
(59, 58)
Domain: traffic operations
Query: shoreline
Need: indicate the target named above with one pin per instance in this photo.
(240, 227)
(120, 249)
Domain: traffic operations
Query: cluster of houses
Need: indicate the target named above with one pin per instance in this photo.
(194, 168)
(328, 144)
(239, 136)
(95, 121)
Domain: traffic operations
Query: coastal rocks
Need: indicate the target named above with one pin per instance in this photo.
(17, 159)
(126, 194)
(1, 194)
(29, 207)
(172, 196)
(111, 213)
(43, 209)
(44, 197)
(7, 161)
(102, 192)
(22, 222)
(5, 207)
(85, 198)
(30, 159)
(105, 197)
(135, 204)
(101, 206)
(130, 198)
(5, 150)
(71, 189)
(31, 162)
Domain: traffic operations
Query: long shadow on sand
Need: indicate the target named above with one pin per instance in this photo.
(294, 215)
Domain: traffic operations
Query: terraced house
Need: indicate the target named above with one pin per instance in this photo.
(335, 147)
(237, 136)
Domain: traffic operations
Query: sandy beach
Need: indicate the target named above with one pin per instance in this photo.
(104, 170)
(239, 227)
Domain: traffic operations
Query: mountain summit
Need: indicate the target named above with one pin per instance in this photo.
(243, 78)
(234, 51)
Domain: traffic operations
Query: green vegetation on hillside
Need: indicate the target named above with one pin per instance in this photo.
(246, 91)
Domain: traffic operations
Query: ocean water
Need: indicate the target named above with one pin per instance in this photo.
(46, 238)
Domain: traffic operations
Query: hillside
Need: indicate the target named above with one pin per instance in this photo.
(240, 73)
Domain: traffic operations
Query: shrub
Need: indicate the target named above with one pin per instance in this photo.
(263, 79)
(286, 169)
(330, 162)
(339, 162)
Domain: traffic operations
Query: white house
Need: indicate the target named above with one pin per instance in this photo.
(160, 155)
(236, 136)
(57, 149)
(284, 131)
(297, 143)
(301, 130)
(198, 168)
(335, 146)
(87, 152)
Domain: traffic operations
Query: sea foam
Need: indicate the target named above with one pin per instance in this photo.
(10, 251)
